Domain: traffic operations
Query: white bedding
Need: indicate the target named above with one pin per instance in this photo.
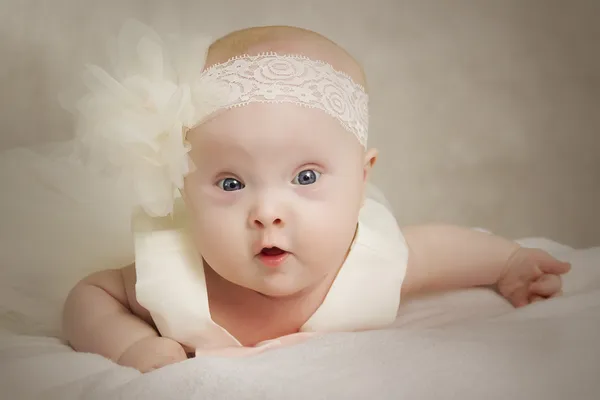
(464, 345)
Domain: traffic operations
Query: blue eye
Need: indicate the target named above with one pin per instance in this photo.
(306, 177)
(230, 184)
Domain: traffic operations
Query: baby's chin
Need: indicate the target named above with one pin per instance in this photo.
(280, 289)
(283, 286)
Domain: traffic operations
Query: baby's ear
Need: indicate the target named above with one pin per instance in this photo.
(369, 163)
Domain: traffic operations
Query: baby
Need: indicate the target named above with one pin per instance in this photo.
(274, 237)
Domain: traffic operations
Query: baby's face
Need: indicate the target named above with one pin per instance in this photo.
(274, 175)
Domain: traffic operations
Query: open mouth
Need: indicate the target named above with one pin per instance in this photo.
(271, 251)
(272, 256)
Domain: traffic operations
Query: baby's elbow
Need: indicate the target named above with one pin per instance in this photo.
(81, 298)
(75, 297)
(71, 309)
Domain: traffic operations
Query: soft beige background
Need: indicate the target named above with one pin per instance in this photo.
(487, 113)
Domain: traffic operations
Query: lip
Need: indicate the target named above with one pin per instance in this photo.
(273, 261)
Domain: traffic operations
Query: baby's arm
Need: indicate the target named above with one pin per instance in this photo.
(443, 257)
(99, 318)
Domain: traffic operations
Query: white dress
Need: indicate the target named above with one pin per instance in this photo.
(171, 283)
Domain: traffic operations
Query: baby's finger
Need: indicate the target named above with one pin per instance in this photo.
(550, 265)
(546, 286)
(535, 298)
(557, 294)
(520, 297)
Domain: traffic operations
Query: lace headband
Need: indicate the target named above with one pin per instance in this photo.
(296, 79)
(136, 119)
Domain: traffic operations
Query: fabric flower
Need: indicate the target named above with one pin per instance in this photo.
(135, 119)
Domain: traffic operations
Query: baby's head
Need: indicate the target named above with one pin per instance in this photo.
(278, 174)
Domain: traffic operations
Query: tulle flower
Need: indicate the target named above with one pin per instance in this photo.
(134, 119)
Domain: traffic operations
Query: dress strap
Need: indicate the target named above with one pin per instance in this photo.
(170, 281)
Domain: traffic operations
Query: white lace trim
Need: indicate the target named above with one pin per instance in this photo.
(275, 78)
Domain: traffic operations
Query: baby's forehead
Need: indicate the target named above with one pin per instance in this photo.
(266, 127)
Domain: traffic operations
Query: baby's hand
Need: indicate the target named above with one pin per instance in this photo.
(152, 353)
(531, 275)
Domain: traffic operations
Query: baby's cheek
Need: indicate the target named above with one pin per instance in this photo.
(218, 232)
(212, 226)
(328, 233)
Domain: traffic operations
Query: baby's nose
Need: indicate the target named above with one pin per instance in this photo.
(266, 215)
